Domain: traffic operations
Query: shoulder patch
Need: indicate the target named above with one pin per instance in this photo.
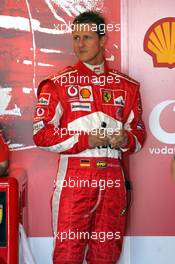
(43, 82)
(123, 76)
(54, 77)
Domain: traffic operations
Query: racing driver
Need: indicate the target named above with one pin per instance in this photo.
(91, 115)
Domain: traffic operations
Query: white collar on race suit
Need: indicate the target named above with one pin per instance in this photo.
(98, 69)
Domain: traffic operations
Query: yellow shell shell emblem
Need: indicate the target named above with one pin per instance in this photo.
(85, 93)
(159, 42)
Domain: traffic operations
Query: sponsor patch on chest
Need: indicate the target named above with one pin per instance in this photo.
(79, 93)
(77, 106)
(101, 164)
(113, 97)
(85, 93)
(72, 90)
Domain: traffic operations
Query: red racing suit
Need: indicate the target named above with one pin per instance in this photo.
(89, 199)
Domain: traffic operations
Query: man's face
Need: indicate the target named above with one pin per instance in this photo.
(87, 45)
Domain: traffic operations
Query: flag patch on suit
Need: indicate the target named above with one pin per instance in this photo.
(85, 163)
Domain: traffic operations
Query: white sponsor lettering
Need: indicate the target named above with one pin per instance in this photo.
(37, 127)
(165, 150)
(80, 106)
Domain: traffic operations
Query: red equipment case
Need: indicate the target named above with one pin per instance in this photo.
(13, 210)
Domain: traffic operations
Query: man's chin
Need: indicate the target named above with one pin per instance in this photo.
(83, 59)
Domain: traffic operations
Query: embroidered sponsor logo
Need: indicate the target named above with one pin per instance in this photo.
(80, 106)
(116, 97)
(72, 91)
(44, 99)
(85, 93)
(101, 164)
(38, 126)
(40, 113)
(107, 96)
(119, 101)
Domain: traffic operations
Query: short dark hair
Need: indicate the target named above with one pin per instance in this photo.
(94, 18)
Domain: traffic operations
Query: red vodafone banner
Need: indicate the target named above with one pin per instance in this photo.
(35, 41)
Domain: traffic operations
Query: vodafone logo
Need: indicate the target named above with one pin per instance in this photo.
(40, 111)
(72, 91)
(154, 123)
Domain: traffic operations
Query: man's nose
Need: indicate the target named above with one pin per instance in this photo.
(81, 42)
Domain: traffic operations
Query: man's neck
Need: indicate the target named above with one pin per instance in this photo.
(98, 69)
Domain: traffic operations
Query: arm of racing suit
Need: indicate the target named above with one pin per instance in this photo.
(46, 129)
(134, 126)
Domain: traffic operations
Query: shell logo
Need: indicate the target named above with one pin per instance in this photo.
(85, 93)
(159, 42)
